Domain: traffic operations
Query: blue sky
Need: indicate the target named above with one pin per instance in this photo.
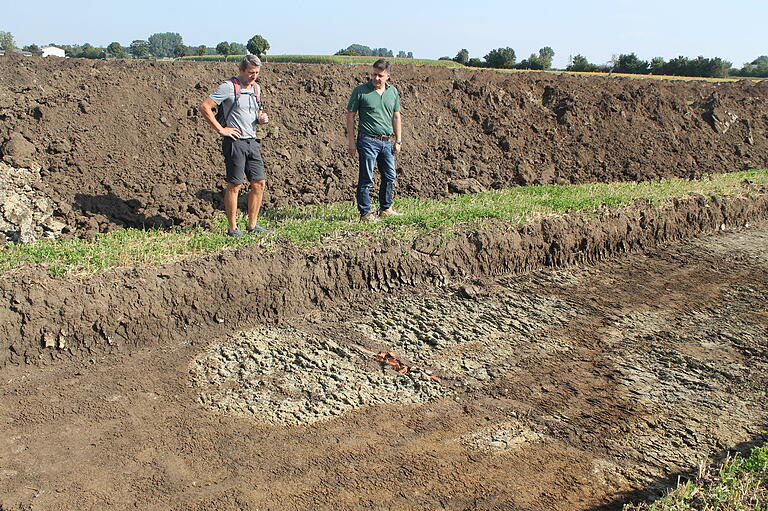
(596, 29)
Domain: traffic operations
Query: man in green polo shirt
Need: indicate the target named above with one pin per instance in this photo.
(379, 106)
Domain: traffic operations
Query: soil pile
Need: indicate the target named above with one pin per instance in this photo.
(120, 143)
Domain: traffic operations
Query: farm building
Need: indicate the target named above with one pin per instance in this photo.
(52, 51)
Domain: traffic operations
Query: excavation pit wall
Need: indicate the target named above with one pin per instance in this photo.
(45, 318)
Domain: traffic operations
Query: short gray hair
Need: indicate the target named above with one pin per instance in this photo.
(249, 60)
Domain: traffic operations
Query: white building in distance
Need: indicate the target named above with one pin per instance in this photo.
(52, 51)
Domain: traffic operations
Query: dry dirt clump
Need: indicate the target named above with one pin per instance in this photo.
(26, 213)
(285, 377)
(120, 143)
(469, 340)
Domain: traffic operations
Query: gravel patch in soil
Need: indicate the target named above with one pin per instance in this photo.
(288, 377)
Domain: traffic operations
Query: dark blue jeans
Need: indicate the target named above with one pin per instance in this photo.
(372, 151)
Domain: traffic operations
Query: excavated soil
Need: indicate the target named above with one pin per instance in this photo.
(571, 363)
(120, 143)
(562, 389)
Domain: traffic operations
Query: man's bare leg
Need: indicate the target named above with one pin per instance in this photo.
(255, 196)
(230, 204)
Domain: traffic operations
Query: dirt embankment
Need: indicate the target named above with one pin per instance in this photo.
(120, 143)
(44, 319)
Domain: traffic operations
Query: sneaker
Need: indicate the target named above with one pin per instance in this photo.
(235, 234)
(384, 213)
(369, 217)
(258, 229)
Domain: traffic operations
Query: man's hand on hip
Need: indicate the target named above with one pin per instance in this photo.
(263, 118)
(232, 133)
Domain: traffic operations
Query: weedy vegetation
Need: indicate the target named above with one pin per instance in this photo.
(310, 226)
(737, 484)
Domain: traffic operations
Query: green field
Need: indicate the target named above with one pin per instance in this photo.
(324, 59)
(311, 225)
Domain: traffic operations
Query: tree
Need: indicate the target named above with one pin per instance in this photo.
(223, 48)
(541, 61)
(402, 55)
(410, 55)
(475, 62)
(503, 58)
(545, 57)
(257, 45)
(355, 49)
(116, 50)
(757, 68)
(88, 51)
(6, 41)
(631, 64)
(580, 63)
(462, 57)
(179, 51)
(164, 44)
(657, 66)
(201, 50)
(139, 49)
(33, 49)
(237, 49)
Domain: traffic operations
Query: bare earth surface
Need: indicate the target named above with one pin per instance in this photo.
(567, 389)
(378, 374)
(120, 143)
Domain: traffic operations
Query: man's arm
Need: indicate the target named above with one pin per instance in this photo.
(206, 108)
(351, 145)
(397, 125)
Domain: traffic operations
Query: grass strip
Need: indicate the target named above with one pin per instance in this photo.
(738, 484)
(312, 225)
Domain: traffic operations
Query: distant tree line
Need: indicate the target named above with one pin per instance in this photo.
(366, 51)
(505, 58)
(160, 45)
(679, 66)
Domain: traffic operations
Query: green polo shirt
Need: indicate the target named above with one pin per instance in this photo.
(375, 109)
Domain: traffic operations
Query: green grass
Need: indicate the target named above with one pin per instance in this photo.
(312, 225)
(325, 59)
(738, 484)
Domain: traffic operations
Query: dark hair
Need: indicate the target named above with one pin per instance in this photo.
(249, 60)
(382, 65)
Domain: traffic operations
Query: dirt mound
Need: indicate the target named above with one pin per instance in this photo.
(120, 143)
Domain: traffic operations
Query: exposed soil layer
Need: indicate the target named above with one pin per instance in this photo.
(568, 389)
(488, 370)
(44, 319)
(120, 143)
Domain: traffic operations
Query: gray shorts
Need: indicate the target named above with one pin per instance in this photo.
(243, 160)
